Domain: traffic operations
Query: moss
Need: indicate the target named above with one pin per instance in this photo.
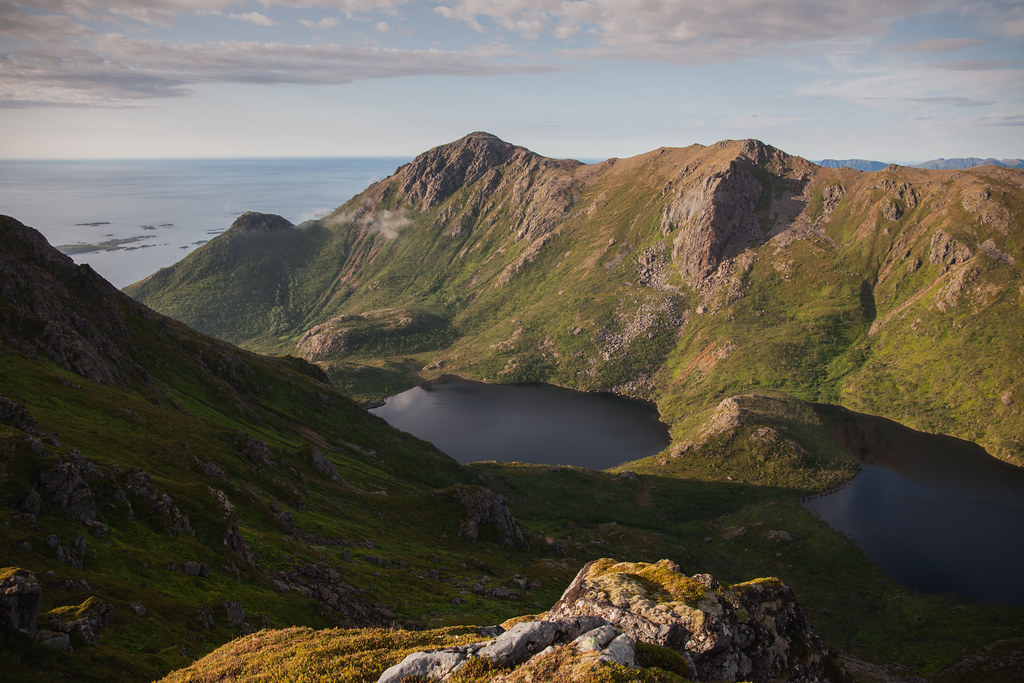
(658, 581)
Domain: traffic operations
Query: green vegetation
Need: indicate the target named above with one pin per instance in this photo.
(881, 297)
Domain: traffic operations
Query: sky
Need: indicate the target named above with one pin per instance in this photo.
(892, 80)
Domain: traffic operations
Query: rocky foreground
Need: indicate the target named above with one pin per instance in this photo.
(617, 621)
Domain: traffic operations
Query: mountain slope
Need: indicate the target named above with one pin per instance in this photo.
(682, 276)
(164, 491)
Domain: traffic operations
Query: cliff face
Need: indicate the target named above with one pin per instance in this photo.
(680, 275)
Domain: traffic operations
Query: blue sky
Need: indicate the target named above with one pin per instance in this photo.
(893, 80)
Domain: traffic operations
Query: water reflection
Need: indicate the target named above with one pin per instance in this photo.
(936, 513)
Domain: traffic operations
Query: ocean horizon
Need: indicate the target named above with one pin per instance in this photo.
(129, 218)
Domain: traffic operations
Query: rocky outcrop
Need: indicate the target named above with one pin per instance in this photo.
(341, 601)
(62, 311)
(91, 618)
(20, 600)
(16, 415)
(151, 501)
(433, 176)
(589, 637)
(754, 631)
(484, 507)
(715, 221)
(66, 487)
(947, 251)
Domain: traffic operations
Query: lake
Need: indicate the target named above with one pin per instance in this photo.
(533, 423)
(936, 513)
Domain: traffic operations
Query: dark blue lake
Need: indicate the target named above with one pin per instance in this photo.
(936, 513)
(531, 423)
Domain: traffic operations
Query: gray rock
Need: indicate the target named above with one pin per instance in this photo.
(138, 608)
(520, 642)
(77, 554)
(20, 599)
(32, 504)
(235, 613)
(235, 542)
(597, 639)
(58, 640)
(66, 485)
(325, 467)
(159, 503)
(621, 650)
(430, 665)
(485, 507)
(92, 623)
(745, 632)
(204, 617)
(200, 569)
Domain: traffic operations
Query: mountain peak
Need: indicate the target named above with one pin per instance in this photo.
(433, 176)
(253, 221)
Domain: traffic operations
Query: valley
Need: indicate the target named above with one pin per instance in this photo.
(733, 286)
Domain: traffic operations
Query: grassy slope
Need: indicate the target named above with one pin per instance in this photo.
(839, 315)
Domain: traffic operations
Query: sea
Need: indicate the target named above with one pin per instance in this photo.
(128, 219)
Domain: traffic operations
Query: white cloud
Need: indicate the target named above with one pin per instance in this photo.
(687, 31)
(254, 18)
(939, 45)
(382, 27)
(325, 23)
(115, 69)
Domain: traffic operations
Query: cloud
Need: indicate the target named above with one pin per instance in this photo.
(939, 45)
(1012, 120)
(254, 18)
(325, 23)
(975, 65)
(382, 27)
(688, 31)
(116, 69)
(951, 99)
(387, 224)
(758, 121)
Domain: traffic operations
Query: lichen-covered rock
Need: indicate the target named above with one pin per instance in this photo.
(753, 631)
(20, 598)
(86, 622)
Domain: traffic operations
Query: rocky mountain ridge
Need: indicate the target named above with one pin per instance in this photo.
(680, 276)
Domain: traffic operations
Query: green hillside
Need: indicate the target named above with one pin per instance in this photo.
(682, 276)
(169, 491)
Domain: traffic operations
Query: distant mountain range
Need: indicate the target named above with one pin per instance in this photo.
(936, 164)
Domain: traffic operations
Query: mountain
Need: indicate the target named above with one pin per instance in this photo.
(970, 162)
(857, 164)
(681, 276)
(162, 492)
(934, 164)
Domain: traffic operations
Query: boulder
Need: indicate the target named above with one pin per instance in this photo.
(485, 507)
(58, 640)
(20, 599)
(752, 631)
(234, 611)
(66, 486)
